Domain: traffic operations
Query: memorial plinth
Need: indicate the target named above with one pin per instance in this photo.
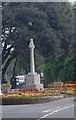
(33, 81)
(32, 78)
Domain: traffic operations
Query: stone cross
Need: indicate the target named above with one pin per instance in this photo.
(32, 64)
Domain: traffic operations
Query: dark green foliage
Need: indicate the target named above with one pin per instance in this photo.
(60, 69)
(68, 72)
(51, 25)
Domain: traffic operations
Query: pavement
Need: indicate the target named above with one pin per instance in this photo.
(62, 108)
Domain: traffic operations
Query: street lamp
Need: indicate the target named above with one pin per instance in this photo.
(41, 75)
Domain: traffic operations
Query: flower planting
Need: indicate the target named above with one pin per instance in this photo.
(34, 95)
(67, 88)
(28, 93)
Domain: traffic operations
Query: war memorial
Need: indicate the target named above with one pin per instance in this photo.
(32, 78)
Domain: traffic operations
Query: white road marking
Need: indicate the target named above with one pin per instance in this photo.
(51, 109)
(58, 110)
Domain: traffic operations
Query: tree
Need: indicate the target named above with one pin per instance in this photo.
(68, 72)
(50, 24)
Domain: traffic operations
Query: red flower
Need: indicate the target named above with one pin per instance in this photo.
(74, 81)
(5, 91)
(35, 90)
(63, 86)
(58, 87)
(30, 89)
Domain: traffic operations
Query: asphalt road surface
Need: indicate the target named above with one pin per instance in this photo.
(63, 108)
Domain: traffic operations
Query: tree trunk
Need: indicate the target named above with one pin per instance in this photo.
(6, 66)
(14, 68)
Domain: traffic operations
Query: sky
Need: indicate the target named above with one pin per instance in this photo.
(35, 0)
(72, 0)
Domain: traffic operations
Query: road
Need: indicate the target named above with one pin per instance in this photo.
(63, 108)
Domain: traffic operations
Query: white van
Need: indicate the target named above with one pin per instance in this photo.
(20, 79)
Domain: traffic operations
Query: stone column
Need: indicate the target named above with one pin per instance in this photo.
(32, 78)
(32, 64)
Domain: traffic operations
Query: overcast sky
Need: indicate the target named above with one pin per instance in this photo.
(37, 0)
(72, 0)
